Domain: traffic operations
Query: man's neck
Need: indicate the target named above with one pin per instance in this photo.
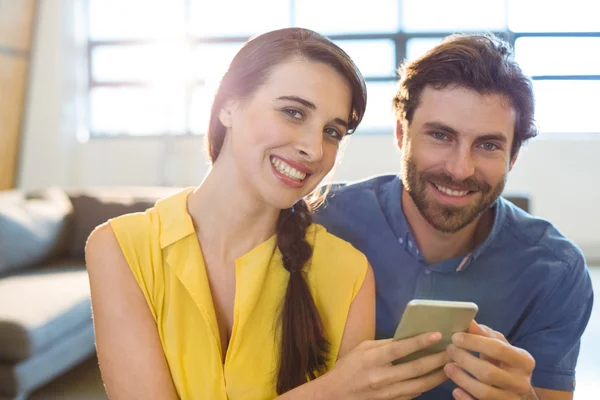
(436, 246)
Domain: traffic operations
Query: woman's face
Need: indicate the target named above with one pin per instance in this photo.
(284, 139)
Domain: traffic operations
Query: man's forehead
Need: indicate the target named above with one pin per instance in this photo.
(465, 111)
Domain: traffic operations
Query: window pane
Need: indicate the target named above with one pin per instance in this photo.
(136, 19)
(211, 60)
(415, 48)
(567, 106)
(339, 16)
(379, 117)
(544, 16)
(453, 16)
(201, 103)
(558, 56)
(236, 17)
(373, 57)
(137, 111)
(168, 63)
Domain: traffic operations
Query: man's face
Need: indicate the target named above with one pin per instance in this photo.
(456, 154)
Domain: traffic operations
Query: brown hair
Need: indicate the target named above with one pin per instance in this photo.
(304, 347)
(481, 62)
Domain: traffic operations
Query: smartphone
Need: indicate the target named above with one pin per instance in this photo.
(422, 316)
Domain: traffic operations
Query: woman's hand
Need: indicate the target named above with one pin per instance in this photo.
(367, 372)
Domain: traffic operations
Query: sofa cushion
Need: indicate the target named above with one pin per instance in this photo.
(20, 378)
(39, 306)
(33, 227)
(94, 206)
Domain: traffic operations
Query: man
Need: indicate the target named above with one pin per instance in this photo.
(440, 230)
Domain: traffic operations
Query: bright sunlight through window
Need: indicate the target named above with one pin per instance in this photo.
(154, 64)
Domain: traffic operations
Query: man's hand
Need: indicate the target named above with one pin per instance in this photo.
(501, 372)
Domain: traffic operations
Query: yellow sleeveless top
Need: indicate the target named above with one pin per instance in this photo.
(164, 254)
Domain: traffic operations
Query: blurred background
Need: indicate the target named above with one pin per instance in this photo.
(104, 96)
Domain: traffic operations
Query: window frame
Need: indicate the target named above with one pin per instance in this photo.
(399, 38)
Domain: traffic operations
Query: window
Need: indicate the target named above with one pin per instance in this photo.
(154, 64)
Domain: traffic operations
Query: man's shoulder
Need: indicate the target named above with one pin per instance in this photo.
(357, 192)
(541, 235)
(353, 209)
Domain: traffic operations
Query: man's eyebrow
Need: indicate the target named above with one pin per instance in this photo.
(312, 106)
(494, 137)
(443, 127)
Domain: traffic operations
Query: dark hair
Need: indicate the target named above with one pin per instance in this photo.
(481, 62)
(304, 346)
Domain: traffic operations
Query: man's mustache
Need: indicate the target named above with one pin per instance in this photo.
(446, 180)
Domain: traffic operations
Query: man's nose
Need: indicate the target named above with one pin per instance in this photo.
(460, 165)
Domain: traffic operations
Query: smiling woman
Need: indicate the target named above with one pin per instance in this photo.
(229, 290)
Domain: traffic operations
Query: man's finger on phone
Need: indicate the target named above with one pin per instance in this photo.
(472, 386)
(495, 349)
(484, 330)
(486, 372)
(400, 348)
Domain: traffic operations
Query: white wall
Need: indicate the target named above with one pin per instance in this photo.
(44, 139)
(560, 173)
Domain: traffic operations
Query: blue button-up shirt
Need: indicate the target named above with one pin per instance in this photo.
(530, 282)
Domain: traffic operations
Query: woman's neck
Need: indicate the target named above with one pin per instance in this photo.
(229, 219)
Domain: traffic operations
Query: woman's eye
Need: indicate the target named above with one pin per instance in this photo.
(293, 113)
(334, 133)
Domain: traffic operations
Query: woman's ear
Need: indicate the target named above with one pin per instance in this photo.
(226, 113)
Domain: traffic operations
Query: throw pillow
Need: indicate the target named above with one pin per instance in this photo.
(33, 227)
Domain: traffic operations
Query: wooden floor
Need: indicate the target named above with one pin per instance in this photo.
(81, 383)
(84, 383)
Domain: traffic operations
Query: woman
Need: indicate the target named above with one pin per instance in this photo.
(228, 290)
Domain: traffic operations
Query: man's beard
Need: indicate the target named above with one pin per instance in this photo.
(448, 219)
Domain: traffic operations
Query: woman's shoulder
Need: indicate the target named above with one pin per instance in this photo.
(137, 221)
(334, 252)
(323, 237)
(165, 215)
(139, 227)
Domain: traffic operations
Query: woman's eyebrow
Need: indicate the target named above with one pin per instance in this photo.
(312, 106)
(300, 100)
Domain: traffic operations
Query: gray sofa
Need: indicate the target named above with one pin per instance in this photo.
(45, 311)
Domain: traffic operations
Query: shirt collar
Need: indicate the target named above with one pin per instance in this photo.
(175, 221)
(176, 224)
(499, 208)
(391, 203)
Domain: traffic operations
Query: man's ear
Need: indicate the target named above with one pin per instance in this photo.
(399, 132)
(226, 113)
(513, 160)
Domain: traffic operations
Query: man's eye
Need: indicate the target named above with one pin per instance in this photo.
(489, 146)
(439, 136)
